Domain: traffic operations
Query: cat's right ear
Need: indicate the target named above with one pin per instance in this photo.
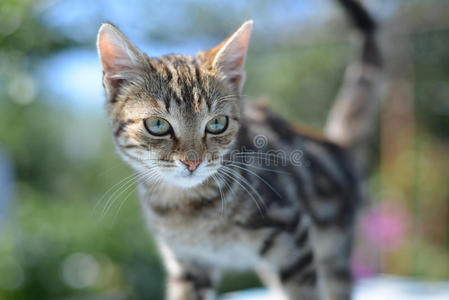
(119, 58)
(228, 58)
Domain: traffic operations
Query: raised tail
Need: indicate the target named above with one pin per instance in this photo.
(352, 119)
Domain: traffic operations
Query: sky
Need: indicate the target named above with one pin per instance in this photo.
(157, 27)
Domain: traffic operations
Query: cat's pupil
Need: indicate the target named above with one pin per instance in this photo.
(158, 123)
(215, 125)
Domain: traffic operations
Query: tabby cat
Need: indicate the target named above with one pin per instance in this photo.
(228, 185)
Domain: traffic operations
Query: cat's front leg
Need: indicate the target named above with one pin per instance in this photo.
(294, 283)
(289, 266)
(190, 286)
(187, 280)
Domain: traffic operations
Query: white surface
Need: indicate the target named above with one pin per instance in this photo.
(384, 288)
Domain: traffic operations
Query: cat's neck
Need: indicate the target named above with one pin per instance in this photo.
(164, 192)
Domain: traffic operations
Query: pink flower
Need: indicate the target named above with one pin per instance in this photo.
(385, 226)
(361, 265)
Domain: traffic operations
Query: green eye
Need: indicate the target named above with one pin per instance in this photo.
(157, 126)
(217, 125)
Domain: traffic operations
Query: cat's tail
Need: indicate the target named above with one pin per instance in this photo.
(352, 119)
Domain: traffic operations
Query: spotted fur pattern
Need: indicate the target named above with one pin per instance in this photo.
(266, 196)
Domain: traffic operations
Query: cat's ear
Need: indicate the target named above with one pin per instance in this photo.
(119, 58)
(229, 56)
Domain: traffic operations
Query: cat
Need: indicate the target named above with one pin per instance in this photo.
(228, 185)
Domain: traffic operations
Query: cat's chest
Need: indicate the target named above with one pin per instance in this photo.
(210, 237)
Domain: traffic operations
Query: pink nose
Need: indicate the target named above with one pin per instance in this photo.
(191, 164)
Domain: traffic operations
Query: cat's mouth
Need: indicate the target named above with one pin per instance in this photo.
(181, 176)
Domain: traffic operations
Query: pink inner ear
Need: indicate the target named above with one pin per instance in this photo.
(232, 56)
(238, 49)
(113, 57)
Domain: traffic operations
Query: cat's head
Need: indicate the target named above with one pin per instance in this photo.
(174, 116)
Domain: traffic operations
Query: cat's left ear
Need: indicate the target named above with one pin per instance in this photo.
(120, 59)
(228, 58)
(117, 54)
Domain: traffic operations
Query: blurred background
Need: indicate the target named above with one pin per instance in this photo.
(58, 167)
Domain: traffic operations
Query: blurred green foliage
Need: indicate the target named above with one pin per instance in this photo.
(431, 82)
(56, 245)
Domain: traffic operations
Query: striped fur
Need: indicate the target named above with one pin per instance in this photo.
(271, 197)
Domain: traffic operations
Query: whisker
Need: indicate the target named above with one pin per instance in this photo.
(257, 167)
(122, 202)
(231, 176)
(150, 174)
(226, 183)
(116, 164)
(227, 97)
(149, 159)
(122, 189)
(112, 187)
(244, 180)
(231, 96)
(261, 178)
(228, 172)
